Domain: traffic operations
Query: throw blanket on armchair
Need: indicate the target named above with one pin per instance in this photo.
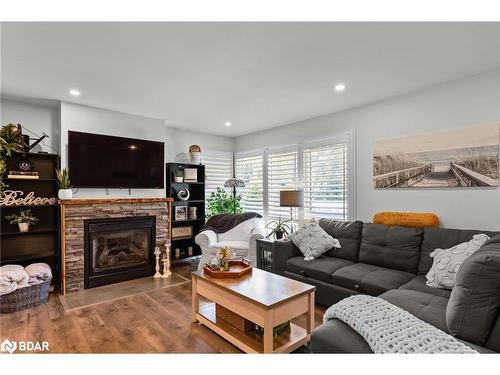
(224, 222)
(390, 329)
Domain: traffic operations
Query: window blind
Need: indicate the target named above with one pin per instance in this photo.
(325, 179)
(249, 169)
(282, 174)
(218, 169)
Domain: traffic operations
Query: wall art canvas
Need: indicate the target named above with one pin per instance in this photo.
(465, 157)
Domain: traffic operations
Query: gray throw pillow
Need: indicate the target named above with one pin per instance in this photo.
(313, 241)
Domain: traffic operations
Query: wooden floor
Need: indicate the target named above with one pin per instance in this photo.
(154, 322)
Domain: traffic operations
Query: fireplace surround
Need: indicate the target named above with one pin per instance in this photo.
(118, 249)
(76, 213)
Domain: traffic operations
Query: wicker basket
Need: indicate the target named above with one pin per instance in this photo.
(24, 298)
(233, 319)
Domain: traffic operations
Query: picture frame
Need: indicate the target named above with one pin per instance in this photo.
(184, 232)
(190, 175)
(181, 213)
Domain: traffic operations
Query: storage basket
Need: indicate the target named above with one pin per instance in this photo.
(26, 297)
(233, 319)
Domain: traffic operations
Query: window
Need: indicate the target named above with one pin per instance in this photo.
(282, 174)
(324, 169)
(218, 169)
(325, 179)
(249, 169)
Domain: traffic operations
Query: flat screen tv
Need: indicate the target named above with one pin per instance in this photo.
(102, 161)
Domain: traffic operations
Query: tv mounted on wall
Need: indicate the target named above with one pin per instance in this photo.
(102, 161)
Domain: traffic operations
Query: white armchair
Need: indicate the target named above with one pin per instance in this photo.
(242, 240)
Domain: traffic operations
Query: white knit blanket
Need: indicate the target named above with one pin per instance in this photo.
(390, 329)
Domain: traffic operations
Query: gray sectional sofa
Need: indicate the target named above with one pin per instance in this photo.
(391, 262)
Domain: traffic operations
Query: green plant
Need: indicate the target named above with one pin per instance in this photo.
(178, 172)
(11, 140)
(23, 216)
(278, 228)
(63, 178)
(220, 203)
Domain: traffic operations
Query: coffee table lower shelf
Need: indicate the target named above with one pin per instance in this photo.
(250, 342)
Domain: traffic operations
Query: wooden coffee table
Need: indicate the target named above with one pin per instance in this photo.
(262, 297)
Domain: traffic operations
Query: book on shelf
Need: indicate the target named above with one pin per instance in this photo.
(23, 173)
(22, 177)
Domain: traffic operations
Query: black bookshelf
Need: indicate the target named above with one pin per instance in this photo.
(180, 246)
(42, 242)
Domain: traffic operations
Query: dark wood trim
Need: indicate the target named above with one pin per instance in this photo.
(83, 202)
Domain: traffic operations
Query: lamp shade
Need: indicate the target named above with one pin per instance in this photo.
(292, 198)
(234, 182)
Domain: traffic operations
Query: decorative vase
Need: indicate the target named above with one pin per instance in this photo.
(23, 227)
(195, 154)
(178, 179)
(65, 194)
(279, 235)
(226, 265)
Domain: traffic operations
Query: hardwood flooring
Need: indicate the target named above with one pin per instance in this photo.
(158, 321)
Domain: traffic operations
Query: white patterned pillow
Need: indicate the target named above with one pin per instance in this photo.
(313, 241)
(447, 262)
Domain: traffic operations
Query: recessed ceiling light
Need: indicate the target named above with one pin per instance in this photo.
(74, 92)
(339, 87)
(227, 123)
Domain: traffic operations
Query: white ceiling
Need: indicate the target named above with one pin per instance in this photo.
(257, 75)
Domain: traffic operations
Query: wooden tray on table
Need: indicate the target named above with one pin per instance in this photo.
(237, 268)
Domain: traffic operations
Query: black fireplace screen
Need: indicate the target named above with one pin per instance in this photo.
(118, 249)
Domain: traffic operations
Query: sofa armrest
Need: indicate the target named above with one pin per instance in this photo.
(282, 251)
(206, 239)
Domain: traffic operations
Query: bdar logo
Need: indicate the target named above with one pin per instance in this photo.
(8, 346)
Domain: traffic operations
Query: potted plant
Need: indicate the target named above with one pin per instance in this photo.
(11, 140)
(64, 183)
(278, 228)
(178, 175)
(23, 219)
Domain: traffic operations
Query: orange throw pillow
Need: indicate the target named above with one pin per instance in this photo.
(407, 219)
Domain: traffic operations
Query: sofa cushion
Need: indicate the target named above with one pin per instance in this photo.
(348, 234)
(418, 284)
(334, 336)
(429, 308)
(442, 238)
(320, 268)
(391, 247)
(474, 303)
(370, 279)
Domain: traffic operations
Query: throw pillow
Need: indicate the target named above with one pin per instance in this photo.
(313, 241)
(446, 262)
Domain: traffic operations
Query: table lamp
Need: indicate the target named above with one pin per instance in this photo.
(292, 198)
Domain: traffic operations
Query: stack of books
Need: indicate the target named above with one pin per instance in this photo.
(21, 175)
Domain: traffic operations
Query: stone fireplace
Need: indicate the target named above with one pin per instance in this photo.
(111, 240)
(118, 249)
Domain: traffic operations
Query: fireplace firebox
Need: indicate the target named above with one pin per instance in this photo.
(118, 249)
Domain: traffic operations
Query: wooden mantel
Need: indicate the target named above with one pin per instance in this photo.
(82, 202)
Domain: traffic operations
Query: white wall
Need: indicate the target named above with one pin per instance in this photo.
(95, 120)
(469, 102)
(36, 117)
(178, 141)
